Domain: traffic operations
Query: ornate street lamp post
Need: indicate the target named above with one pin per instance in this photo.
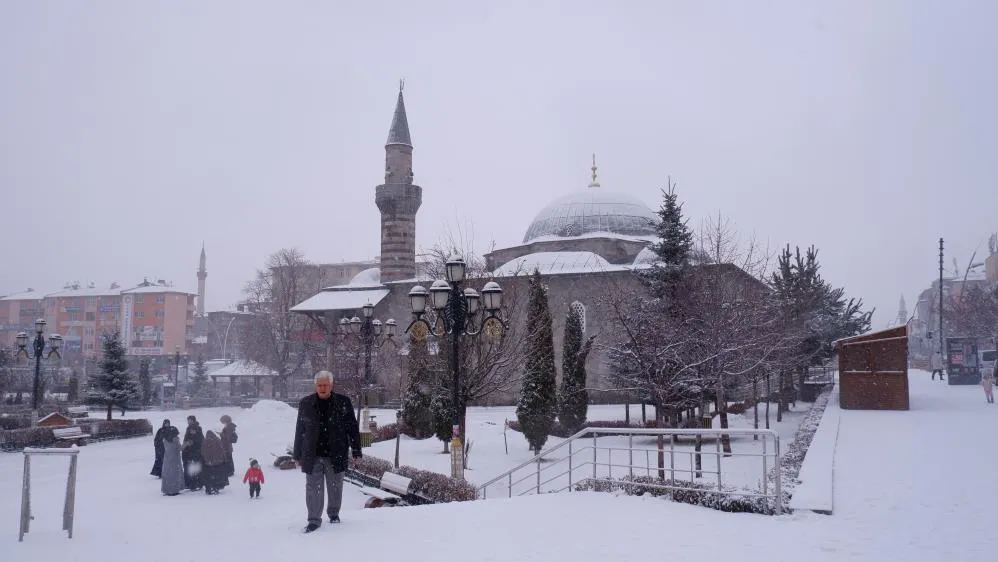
(55, 342)
(456, 313)
(372, 333)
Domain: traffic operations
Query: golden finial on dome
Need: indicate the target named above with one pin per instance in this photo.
(594, 182)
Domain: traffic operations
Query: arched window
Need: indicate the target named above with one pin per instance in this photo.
(580, 309)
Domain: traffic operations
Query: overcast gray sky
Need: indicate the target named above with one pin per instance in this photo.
(132, 131)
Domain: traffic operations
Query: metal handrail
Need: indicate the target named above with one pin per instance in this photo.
(596, 432)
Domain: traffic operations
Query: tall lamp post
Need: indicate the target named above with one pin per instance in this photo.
(455, 313)
(55, 342)
(372, 333)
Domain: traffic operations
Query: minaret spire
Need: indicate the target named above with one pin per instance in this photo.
(594, 183)
(202, 276)
(398, 133)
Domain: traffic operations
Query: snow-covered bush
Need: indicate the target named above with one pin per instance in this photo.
(430, 485)
(693, 493)
(17, 439)
(793, 456)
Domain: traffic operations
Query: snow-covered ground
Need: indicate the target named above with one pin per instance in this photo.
(911, 486)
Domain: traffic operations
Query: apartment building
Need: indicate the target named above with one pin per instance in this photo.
(18, 313)
(81, 315)
(153, 318)
(157, 319)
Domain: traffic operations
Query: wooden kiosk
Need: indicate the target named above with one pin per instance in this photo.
(873, 370)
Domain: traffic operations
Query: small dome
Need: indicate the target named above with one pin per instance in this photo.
(646, 257)
(593, 210)
(553, 263)
(370, 277)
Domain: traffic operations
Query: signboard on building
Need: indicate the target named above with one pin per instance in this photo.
(145, 351)
(126, 319)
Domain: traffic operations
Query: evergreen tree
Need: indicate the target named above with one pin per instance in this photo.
(538, 400)
(676, 244)
(442, 414)
(113, 386)
(417, 396)
(145, 382)
(674, 250)
(573, 398)
(200, 386)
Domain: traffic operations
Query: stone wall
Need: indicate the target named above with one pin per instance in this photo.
(588, 289)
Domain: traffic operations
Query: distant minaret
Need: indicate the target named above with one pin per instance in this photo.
(202, 275)
(398, 199)
(902, 318)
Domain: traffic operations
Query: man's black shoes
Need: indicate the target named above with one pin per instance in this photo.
(311, 527)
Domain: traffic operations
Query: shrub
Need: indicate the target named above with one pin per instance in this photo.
(793, 456)
(14, 422)
(31, 437)
(430, 485)
(116, 429)
(739, 408)
(693, 493)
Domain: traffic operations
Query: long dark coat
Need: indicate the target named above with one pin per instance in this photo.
(213, 467)
(157, 443)
(228, 438)
(344, 433)
(193, 438)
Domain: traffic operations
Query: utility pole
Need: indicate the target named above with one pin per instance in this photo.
(940, 298)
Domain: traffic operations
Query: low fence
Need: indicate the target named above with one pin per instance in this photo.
(627, 455)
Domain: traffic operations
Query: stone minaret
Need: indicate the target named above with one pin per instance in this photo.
(202, 276)
(398, 199)
(902, 318)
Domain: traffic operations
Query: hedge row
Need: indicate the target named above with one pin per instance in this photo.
(693, 493)
(430, 485)
(99, 430)
(793, 456)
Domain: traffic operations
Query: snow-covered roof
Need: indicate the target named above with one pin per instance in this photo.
(370, 277)
(646, 257)
(24, 296)
(152, 288)
(87, 292)
(556, 262)
(243, 369)
(340, 298)
(593, 210)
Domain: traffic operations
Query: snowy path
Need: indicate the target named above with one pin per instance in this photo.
(925, 477)
(912, 486)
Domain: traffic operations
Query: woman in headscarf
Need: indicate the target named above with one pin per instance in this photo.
(173, 466)
(191, 453)
(213, 468)
(228, 438)
(157, 443)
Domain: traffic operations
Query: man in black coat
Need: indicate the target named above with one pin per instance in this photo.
(326, 433)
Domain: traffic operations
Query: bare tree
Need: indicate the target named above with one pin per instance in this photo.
(275, 337)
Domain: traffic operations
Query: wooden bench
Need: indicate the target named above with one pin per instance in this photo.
(78, 412)
(72, 434)
(390, 482)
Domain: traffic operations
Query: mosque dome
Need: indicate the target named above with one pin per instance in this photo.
(593, 210)
(370, 277)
